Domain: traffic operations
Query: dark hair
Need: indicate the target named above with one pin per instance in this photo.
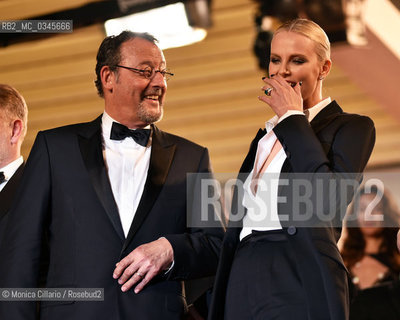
(109, 53)
(354, 243)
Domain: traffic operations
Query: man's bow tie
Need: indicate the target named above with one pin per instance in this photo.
(2, 177)
(120, 132)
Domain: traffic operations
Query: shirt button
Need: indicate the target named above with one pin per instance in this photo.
(291, 230)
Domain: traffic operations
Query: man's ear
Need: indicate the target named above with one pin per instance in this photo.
(107, 78)
(17, 131)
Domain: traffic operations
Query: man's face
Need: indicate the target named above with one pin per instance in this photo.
(136, 100)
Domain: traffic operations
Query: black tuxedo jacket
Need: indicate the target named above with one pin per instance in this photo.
(334, 143)
(66, 196)
(7, 196)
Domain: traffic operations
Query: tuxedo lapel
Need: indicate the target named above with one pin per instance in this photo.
(90, 143)
(162, 153)
(325, 116)
(8, 192)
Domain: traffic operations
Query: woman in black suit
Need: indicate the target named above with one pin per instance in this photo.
(272, 266)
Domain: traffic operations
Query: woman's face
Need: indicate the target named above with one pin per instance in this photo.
(368, 213)
(294, 57)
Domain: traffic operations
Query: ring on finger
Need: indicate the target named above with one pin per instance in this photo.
(139, 274)
(268, 91)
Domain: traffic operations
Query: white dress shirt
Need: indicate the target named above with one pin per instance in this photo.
(127, 163)
(9, 170)
(262, 204)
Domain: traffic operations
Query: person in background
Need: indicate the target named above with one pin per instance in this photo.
(13, 127)
(278, 269)
(370, 253)
(111, 197)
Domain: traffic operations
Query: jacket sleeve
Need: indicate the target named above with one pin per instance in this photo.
(330, 163)
(350, 149)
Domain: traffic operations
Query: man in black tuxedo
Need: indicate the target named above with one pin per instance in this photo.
(112, 201)
(13, 125)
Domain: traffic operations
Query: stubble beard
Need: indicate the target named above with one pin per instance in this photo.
(150, 116)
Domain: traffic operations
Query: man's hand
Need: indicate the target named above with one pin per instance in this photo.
(143, 264)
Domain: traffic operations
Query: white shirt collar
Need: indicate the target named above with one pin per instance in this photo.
(313, 111)
(106, 124)
(271, 123)
(10, 169)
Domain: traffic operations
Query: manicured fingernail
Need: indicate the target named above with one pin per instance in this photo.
(115, 276)
(123, 289)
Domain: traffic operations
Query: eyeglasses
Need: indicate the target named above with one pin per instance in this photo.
(148, 73)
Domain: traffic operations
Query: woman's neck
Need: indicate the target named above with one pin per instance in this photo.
(372, 245)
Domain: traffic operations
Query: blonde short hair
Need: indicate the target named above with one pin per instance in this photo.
(312, 31)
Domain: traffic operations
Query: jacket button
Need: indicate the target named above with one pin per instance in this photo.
(291, 230)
